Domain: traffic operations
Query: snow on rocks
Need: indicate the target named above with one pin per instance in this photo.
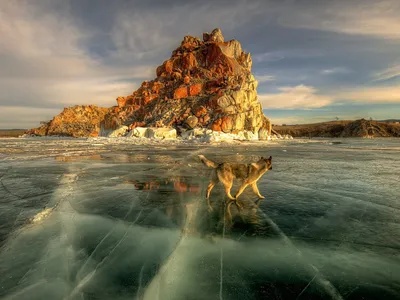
(196, 135)
(139, 132)
(161, 133)
(120, 131)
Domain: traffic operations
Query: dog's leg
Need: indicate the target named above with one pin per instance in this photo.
(228, 212)
(241, 189)
(209, 188)
(228, 185)
(255, 189)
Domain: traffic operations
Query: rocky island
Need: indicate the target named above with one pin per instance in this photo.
(206, 86)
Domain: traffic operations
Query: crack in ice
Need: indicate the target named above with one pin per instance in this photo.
(91, 274)
(324, 283)
(222, 255)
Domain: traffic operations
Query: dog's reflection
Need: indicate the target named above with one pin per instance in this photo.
(178, 184)
(230, 221)
(180, 199)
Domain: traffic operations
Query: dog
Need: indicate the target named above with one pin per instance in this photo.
(226, 172)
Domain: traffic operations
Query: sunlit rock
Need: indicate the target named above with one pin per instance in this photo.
(138, 132)
(204, 84)
(161, 133)
(121, 131)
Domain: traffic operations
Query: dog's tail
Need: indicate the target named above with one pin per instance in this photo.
(208, 162)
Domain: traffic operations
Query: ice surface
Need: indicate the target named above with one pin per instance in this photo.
(114, 219)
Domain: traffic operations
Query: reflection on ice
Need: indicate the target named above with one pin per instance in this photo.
(42, 215)
(134, 224)
(179, 185)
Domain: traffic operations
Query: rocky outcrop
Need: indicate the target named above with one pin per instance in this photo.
(367, 128)
(76, 121)
(205, 84)
(357, 128)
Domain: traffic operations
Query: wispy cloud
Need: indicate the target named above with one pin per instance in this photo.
(387, 94)
(264, 78)
(368, 18)
(143, 33)
(306, 97)
(49, 59)
(298, 97)
(274, 56)
(45, 64)
(337, 70)
(268, 57)
(386, 74)
(301, 120)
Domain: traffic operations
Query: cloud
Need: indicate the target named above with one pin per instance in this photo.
(268, 57)
(264, 78)
(16, 117)
(387, 94)
(55, 55)
(46, 65)
(386, 74)
(298, 97)
(288, 120)
(274, 56)
(146, 32)
(48, 58)
(337, 70)
(369, 18)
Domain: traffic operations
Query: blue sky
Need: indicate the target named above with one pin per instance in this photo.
(315, 60)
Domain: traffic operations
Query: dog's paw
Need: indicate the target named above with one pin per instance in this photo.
(261, 197)
(239, 206)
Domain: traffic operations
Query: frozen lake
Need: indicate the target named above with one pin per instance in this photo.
(105, 219)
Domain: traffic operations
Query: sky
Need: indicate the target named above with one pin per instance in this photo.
(315, 60)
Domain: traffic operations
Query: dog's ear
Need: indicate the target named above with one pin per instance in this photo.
(262, 157)
(270, 158)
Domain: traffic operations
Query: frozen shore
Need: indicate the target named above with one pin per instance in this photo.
(144, 136)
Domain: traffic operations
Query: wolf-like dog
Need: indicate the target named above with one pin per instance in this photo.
(226, 172)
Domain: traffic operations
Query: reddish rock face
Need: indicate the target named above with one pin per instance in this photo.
(206, 118)
(181, 92)
(94, 134)
(216, 126)
(200, 111)
(189, 61)
(186, 80)
(121, 101)
(226, 124)
(160, 70)
(168, 66)
(157, 86)
(195, 89)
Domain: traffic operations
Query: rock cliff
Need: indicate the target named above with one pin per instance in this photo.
(76, 121)
(205, 84)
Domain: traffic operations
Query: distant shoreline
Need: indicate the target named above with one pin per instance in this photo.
(341, 129)
(11, 133)
(332, 129)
